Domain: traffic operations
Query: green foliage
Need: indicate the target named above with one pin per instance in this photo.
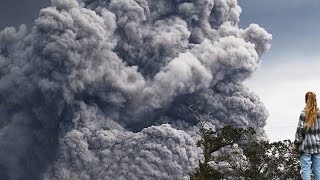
(266, 161)
(206, 172)
(212, 141)
(276, 160)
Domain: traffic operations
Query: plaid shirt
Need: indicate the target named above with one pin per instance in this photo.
(308, 141)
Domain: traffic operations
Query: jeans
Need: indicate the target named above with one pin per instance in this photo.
(305, 161)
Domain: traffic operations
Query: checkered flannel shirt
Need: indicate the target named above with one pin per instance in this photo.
(308, 141)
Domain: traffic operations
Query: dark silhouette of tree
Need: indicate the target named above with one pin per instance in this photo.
(270, 161)
(265, 160)
(212, 141)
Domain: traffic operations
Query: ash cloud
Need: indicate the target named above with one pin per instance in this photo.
(101, 89)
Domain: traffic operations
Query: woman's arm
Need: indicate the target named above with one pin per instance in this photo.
(300, 131)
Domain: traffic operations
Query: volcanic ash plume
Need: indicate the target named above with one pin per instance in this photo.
(102, 88)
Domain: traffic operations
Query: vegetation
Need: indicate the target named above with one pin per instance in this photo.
(235, 153)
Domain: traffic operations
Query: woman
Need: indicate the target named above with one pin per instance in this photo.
(307, 138)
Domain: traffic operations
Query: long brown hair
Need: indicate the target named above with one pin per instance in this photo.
(311, 109)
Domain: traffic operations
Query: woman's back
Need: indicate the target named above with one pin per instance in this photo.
(310, 137)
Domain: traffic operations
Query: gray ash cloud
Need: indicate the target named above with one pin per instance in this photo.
(101, 89)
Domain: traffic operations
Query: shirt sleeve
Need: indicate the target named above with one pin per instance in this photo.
(300, 130)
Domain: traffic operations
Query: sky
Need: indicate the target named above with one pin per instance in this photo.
(291, 68)
(16, 12)
(287, 71)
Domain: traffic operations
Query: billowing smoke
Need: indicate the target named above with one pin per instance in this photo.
(100, 89)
